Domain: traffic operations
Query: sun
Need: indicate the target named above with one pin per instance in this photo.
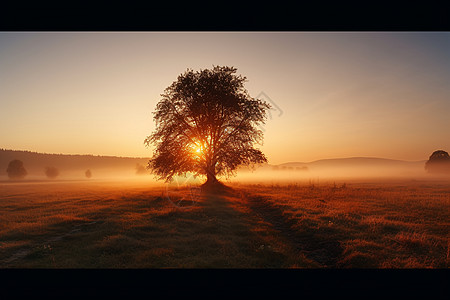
(196, 150)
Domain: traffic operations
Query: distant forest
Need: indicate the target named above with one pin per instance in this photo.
(35, 163)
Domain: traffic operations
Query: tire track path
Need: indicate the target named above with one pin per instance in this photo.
(325, 250)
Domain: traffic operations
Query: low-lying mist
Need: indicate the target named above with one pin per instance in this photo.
(90, 168)
(414, 171)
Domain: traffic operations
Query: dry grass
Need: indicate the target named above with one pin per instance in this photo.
(134, 225)
(94, 225)
(403, 225)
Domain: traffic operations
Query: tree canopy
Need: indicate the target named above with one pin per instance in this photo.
(206, 124)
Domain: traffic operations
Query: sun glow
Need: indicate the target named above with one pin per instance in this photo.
(196, 149)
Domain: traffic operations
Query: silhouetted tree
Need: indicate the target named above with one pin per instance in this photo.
(16, 169)
(88, 173)
(206, 123)
(439, 162)
(51, 172)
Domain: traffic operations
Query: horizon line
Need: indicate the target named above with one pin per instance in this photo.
(285, 163)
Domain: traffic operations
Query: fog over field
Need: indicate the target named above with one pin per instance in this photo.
(73, 167)
(329, 170)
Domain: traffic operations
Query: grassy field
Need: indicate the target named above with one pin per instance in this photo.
(95, 224)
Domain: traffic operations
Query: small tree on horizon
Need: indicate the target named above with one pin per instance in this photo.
(88, 173)
(140, 169)
(16, 169)
(51, 172)
(439, 162)
(206, 124)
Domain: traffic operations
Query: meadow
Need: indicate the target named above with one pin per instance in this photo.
(139, 224)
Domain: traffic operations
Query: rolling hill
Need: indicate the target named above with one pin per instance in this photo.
(355, 162)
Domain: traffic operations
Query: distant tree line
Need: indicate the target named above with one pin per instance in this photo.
(35, 162)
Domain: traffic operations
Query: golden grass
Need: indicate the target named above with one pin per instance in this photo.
(403, 225)
(134, 225)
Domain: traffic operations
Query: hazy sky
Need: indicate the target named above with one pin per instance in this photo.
(339, 94)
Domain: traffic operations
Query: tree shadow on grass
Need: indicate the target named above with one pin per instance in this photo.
(147, 231)
(213, 234)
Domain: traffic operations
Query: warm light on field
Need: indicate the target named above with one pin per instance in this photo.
(130, 224)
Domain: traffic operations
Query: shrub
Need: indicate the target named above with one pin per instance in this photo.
(439, 162)
(140, 169)
(51, 172)
(16, 169)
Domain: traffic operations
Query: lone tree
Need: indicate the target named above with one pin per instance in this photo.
(16, 169)
(206, 124)
(439, 162)
(88, 173)
(51, 172)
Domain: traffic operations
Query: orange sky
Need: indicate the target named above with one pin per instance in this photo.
(337, 94)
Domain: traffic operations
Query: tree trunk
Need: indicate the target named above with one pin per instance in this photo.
(211, 178)
(211, 175)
